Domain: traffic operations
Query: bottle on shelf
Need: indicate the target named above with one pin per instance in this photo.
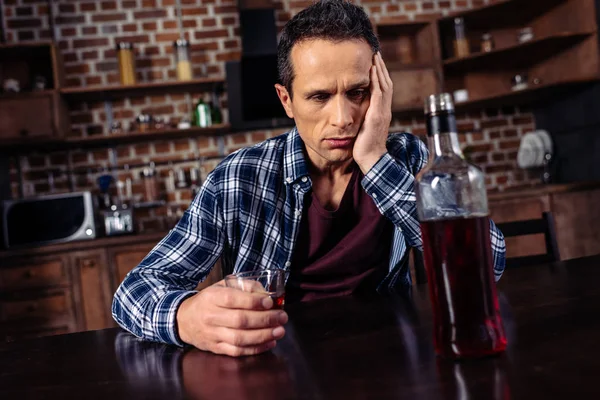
(151, 187)
(126, 63)
(460, 41)
(202, 113)
(215, 109)
(453, 211)
(181, 48)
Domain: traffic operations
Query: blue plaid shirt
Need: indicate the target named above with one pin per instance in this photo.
(248, 212)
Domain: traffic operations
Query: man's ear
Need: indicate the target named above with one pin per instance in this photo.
(286, 100)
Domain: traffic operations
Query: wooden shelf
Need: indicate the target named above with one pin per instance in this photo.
(412, 109)
(28, 95)
(402, 21)
(133, 137)
(502, 13)
(517, 55)
(28, 44)
(532, 94)
(47, 144)
(399, 66)
(30, 144)
(141, 89)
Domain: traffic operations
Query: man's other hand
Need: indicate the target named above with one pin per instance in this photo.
(370, 142)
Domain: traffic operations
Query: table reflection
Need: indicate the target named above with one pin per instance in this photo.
(174, 372)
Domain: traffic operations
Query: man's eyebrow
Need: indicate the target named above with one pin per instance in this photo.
(314, 92)
(359, 85)
(354, 86)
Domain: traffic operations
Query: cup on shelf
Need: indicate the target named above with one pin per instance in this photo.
(461, 95)
(519, 81)
(525, 34)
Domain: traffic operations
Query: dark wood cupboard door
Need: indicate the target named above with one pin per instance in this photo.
(36, 298)
(92, 290)
(518, 210)
(126, 258)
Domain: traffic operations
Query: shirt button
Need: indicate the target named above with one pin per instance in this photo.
(287, 263)
(374, 195)
(304, 179)
(288, 180)
(298, 213)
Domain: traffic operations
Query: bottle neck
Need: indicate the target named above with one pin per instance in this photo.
(443, 137)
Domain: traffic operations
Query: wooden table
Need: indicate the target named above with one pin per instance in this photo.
(346, 348)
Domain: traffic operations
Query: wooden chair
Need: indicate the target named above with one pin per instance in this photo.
(543, 225)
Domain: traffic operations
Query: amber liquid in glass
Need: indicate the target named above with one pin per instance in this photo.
(278, 299)
(463, 295)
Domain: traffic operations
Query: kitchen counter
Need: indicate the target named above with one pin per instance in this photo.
(541, 190)
(85, 244)
(497, 197)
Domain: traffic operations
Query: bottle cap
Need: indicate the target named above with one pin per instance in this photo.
(439, 103)
(181, 43)
(124, 46)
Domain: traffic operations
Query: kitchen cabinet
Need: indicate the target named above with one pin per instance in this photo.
(69, 287)
(91, 289)
(575, 211)
(36, 296)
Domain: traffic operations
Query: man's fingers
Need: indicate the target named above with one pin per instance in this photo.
(246, 319)
(248, 337)
(381, 77)
(233, 298)
(235, 351)
(385, 71)
(375, 87)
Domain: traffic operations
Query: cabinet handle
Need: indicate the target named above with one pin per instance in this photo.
(89, 263)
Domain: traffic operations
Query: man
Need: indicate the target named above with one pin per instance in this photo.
(331, 202)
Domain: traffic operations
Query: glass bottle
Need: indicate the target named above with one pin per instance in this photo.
(460, 41)
(453, 212)
(202, 114)
(215, 110)
(126, 63)
(181, 48)
(151, 188)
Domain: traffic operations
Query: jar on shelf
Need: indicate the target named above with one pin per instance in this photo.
(126, 63)
(487, 42)
(460, 41)
(181, 49)
(144, 122)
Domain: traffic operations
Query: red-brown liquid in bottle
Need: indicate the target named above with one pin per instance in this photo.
(459, 267)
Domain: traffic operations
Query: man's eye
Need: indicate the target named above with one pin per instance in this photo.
(320, 97)
(357, 94)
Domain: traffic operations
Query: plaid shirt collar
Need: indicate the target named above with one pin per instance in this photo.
(294, 161)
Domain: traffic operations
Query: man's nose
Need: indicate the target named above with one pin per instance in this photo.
(342, 113)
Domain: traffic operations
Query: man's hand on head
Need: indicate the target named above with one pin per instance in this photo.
(369, 146)
(229, 321)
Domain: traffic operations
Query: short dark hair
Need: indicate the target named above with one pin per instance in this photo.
(335, 20)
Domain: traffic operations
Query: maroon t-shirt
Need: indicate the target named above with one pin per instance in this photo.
(340, 252)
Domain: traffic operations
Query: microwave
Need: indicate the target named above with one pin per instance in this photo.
(48, 219)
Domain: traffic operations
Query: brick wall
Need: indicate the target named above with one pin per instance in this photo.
(86, 32)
